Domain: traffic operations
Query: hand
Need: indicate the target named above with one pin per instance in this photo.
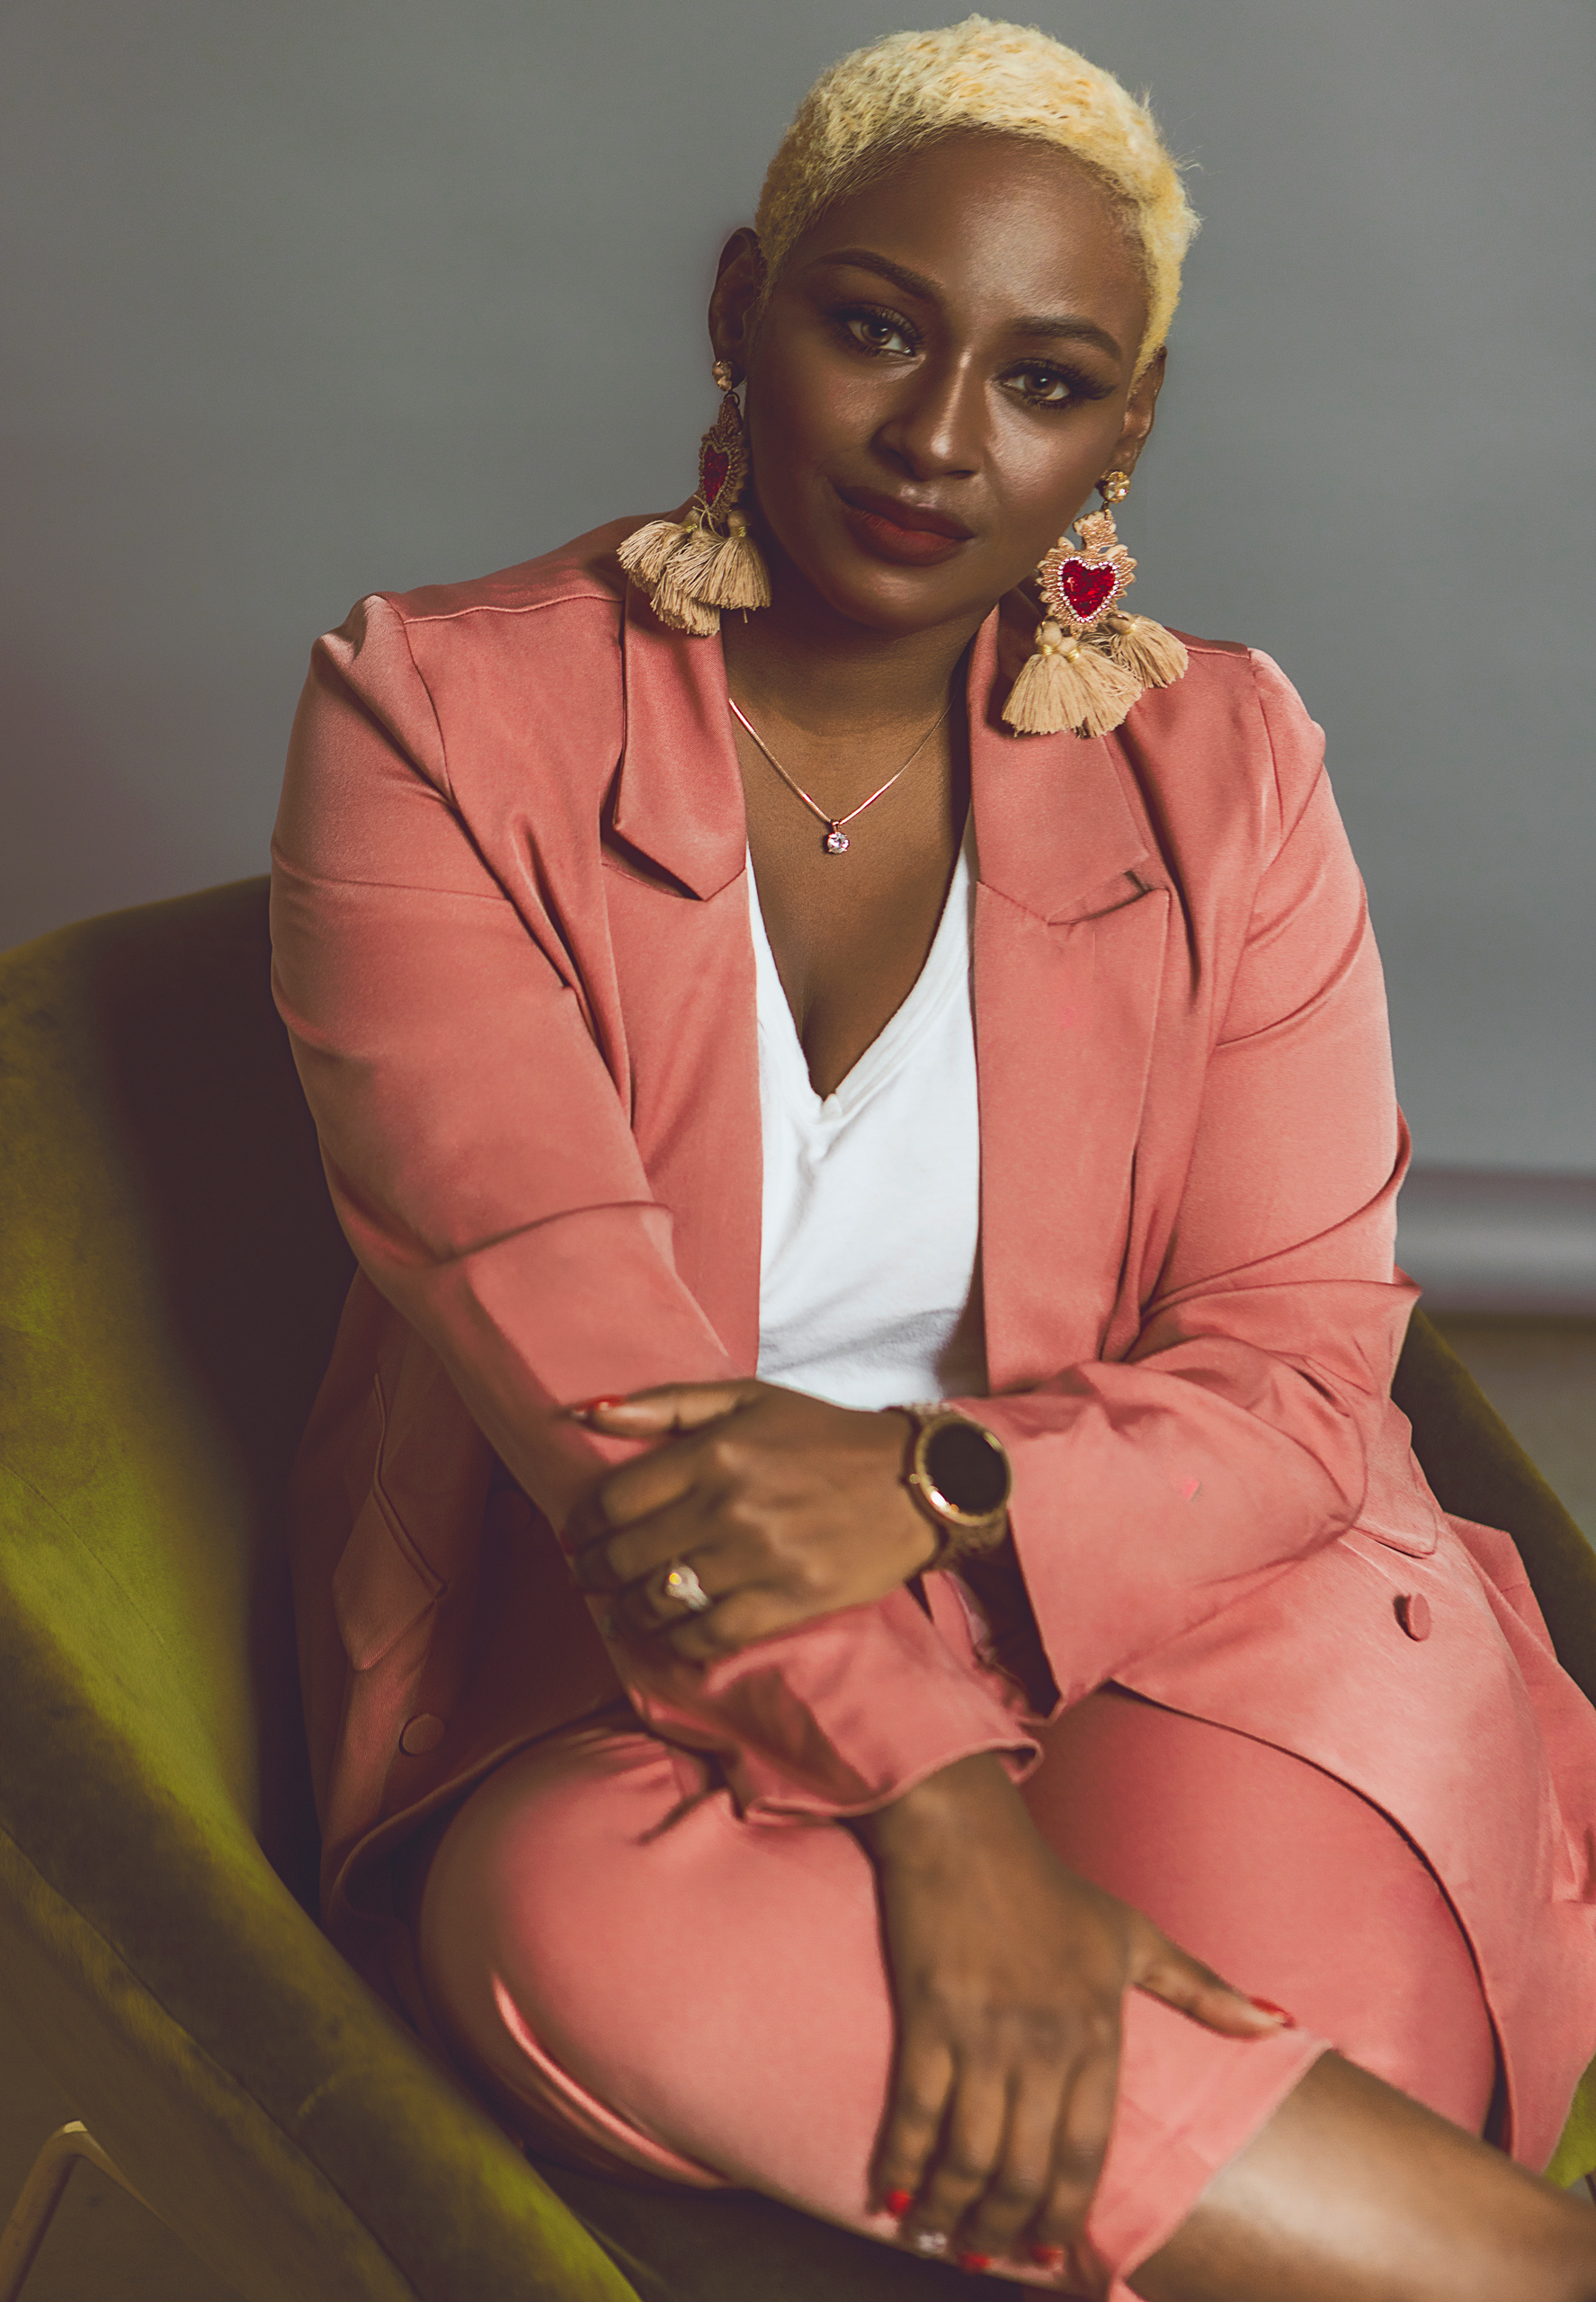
(1008, 1971)
(785, 1507)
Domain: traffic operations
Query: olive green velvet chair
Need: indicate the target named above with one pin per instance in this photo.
(170, 1279)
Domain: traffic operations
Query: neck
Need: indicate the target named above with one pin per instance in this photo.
(800, 663)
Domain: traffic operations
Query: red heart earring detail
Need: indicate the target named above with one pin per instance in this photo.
(691, 568)
(1090, 661)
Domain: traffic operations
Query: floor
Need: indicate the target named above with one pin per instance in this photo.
(1540, 1374)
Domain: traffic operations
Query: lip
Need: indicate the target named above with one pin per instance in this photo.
(889, 529)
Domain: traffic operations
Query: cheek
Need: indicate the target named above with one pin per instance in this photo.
(800, 416)
(1035, 492)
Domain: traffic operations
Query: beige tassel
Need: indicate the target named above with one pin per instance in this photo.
(1151, 655)
(736, 576)
(691, 571)
(676, 595)
(680, 610)
(1066, 684)
(647, 550)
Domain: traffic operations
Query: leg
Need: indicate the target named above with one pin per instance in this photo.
(1353, 2193)
(643, 1982)
(1296, 1887)
(1291, 1885)
(705, 2000)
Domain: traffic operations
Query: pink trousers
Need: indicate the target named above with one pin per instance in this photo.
(635, 1973)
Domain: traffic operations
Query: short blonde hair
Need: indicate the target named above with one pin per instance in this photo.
(1009, 79)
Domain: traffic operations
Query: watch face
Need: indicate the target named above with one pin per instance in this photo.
(969, 1467)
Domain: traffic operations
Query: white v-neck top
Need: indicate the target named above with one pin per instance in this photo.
(867, 1283)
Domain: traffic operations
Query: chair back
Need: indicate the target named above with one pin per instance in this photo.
(171, 1276)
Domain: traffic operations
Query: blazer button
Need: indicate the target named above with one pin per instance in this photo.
(1413, 1612)
(422, 1734)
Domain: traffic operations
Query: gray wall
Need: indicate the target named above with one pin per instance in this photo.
(305, 300)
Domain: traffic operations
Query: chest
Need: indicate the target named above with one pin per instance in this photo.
(870, 1201)
(1078, 1177)
(850, 928)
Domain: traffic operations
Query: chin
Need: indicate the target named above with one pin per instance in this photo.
(895, 601)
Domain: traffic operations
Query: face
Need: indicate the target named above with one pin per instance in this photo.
(941, 375)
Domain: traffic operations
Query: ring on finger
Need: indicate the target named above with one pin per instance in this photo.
(680, 1583)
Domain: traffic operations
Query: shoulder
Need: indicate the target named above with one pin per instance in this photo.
(457, 673)
(1233, 737)
(1231, 734)
(583, 572)
(554, 614)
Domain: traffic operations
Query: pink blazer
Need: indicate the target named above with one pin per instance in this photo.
(510, 934)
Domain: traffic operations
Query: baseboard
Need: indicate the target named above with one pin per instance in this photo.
(1489, 1239)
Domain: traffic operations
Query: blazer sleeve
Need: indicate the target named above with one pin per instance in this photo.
(480, 1162)
(1237, 1433)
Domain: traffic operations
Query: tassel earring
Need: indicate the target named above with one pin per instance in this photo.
(693, 568)
(1090, 661)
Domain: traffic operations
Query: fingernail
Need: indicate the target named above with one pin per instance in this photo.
(897, 2203)
(974, 2261)
(1268, 2006)
(593, 1407)
(930, 2242)
(1046, 2257)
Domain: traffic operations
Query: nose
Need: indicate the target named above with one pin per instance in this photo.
(936, 430)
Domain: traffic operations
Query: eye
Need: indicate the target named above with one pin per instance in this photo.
(1043, 386)
(877, 331)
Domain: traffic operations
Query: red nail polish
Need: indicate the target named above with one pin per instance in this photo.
(1046, 2257)
(897, 2203)
(593, 1407)
(974, 2261)
(1268, 2006)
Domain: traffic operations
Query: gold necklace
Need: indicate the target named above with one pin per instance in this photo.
(836, 840)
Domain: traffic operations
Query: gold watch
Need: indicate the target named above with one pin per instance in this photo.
(960, 1474)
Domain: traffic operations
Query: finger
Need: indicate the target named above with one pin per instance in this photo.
(1018, 2190)
(1163, 1970)
(638, 1491)
(922, 2083)
(968, 2153)
(696, 1524)
(630, 1559)
(670, 1406)
(1081, 2140)
(752, 1613)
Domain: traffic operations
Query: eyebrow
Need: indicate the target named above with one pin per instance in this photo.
(1055, 324)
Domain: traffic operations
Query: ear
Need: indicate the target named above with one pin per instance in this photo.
(739, 283)
(1139, 412)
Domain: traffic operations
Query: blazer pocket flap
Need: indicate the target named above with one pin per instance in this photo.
(380, 1585)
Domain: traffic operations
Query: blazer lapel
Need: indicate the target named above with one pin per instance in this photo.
(682, 952)
(1071, 918)
(678, 796)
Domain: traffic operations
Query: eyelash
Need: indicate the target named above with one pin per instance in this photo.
(1079, 387)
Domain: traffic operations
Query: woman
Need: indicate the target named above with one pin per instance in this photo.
(751, 1777)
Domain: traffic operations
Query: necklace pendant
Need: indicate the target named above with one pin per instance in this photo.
(836, 840)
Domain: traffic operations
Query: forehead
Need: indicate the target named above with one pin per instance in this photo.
(1004, 220)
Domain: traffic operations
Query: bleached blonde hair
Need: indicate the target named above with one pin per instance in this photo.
(1008, 79)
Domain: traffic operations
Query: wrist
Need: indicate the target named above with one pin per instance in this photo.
(947, 1811)
(959, 1476)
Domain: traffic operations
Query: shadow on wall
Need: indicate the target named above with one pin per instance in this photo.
(1483, 1240)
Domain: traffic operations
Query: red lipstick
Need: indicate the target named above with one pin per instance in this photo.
(911, 535)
